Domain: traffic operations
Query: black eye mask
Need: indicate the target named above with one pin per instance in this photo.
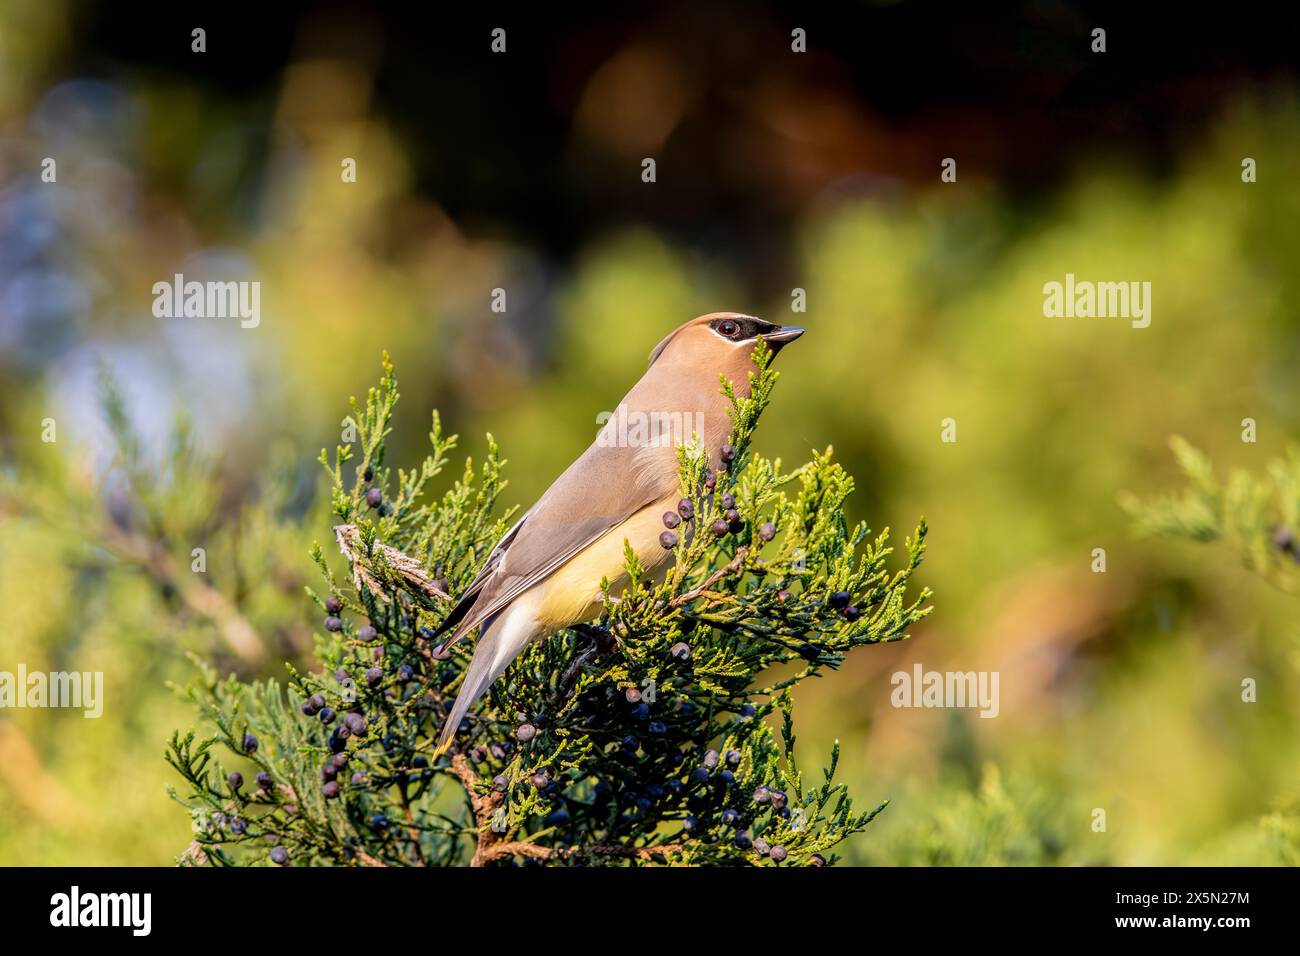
(748, 327)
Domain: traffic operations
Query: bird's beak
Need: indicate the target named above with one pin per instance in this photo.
(786, 333)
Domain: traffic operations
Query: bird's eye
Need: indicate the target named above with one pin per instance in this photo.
(728, 328)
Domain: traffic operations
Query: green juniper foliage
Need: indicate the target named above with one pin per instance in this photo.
(141, 518)
(645, 737)
(1257, 516)
(993, 817)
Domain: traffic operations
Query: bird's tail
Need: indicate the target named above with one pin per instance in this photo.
(502, 640)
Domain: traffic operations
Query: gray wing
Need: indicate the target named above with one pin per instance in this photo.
(598, 492)
(471, 593)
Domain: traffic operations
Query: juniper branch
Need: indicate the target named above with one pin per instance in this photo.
(638, 738)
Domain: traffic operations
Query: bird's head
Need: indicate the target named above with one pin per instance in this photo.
(722, 342)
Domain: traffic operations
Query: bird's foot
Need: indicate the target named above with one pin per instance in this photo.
(604, 638)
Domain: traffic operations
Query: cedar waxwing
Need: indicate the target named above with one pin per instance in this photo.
(544, 574)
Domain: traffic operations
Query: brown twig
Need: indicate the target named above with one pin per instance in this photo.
(407, 568)
(499, 851)
(492, 847)
(411, 829)
(735, 565)
(484, 806)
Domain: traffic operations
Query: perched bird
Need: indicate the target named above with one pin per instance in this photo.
(544, 574)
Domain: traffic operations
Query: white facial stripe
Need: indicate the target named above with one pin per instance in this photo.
(730, 341)
(750, 340)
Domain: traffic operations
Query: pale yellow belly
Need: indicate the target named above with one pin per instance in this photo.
(572, 594)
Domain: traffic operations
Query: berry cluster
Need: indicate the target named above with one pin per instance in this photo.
(730, 521)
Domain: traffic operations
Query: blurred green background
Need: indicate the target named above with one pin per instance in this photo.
(775, 171)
